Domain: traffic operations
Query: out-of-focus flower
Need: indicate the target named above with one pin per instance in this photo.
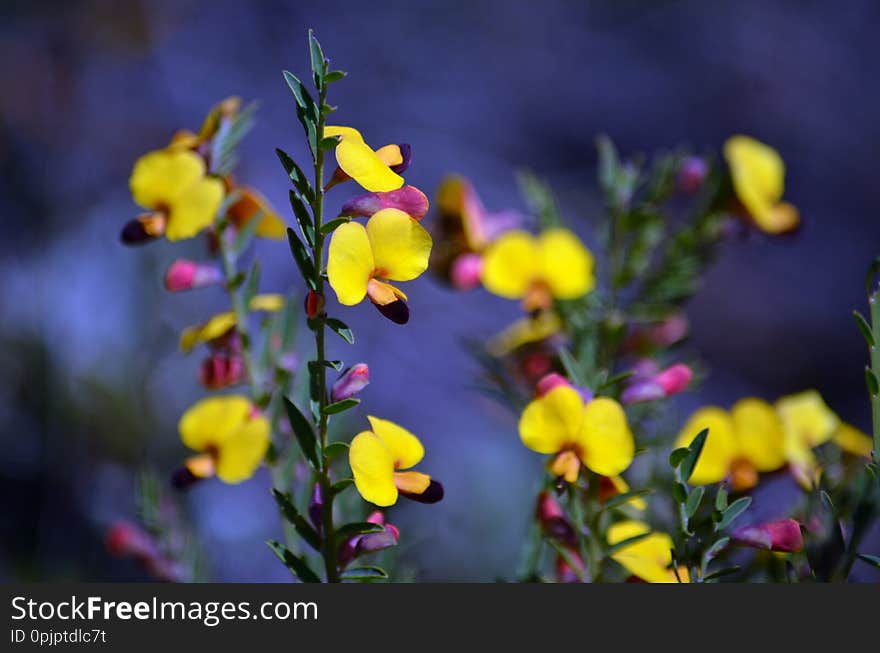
(251, 205)
(807, 422)
(553, 521)
(189, 275)
(553, 380)
(648, 558)
(181, 199)
(351, 382)
(376, 458)
(758, 175)
(221, 113)
(611, 486)
(660, 335)
(555, 265)
(221, 324)
(408, 199)
(530, 329)
(221, 370)
(369, 542)
(464, 229)
(692, 174)
(392, 246)
(783, 535)
(593, 433)
(360, 162)
(853, 441)
(740, 444)
(231, 436)
(663, 384)
(571, 570)
(397, 156)
(127, 540)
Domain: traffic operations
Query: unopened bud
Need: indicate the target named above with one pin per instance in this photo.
(552, 519)
(784, 536)
(143, 229)
(369, 542)
(124, 539)
(550, 381)
(221, 370)
(466, 271)
(408, 199)
(189, 275)
(314, 304)
(674, 379)
(316, 508)
(692, 174)
(352, 381)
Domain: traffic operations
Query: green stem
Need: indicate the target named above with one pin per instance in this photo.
(875, 368)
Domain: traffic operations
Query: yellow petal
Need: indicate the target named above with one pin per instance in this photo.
(622, 487)
(253, 205)
(401, 246)
(411, 482)
(210, 422)
(607, 445)
(803, 464)
(853, 441)
(350, 263)
(160, 177)
(523, 331)
(566, 265)
(361, 163)
(239, 456)
(390, 154)
(721, 446)
(807, 418)
(271, 303)
(405, 448)
(373, 469)
(195, 209)
(649, 558)
(217, 326)
(511, 264)
(759, 434)
(550, 422)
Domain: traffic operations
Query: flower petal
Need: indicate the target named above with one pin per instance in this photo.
(401, 246)
(269, 302)
(721, 446)
(511, 264)
(550, 422)
(807, 418)
(853, 441)
(210, 422)
(566, 265)
(648, 558)
(373, 468)
(361, 163)
(195, 209)
(759, 433)
(411, 482)
(253, 205)
(607, 445)
(523, 331)
(240, 455)
(217, 326)
(404, 447)
(350, 263)
(161, 176)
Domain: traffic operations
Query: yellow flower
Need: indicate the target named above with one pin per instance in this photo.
(538, 269)
(223, 111)
(740, 444)
(392, 246)
(853, 441)
(534, 328)
(808, 423)
(219, 325)
(172, 184)
(758, 175)
(360, 162)
(649, 558)
(595, 434)
(230, 436)
(251, 205)
(376, 457)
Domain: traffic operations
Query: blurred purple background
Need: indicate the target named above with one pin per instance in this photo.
(93, 384)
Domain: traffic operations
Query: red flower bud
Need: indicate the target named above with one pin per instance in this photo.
(783, 535)
(314, 304)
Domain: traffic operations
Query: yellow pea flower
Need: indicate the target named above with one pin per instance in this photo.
(376, 458)
(853, 441)
(219, 325)
(533, 328)
(360, 162)
(595, 433)
(392, 246)
(554, 265)
(172, 184)
(808, 423)
(230, 436)
(742, 443)
(649, 558)
(758, 175)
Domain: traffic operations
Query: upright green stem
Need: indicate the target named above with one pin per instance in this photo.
(875, 368)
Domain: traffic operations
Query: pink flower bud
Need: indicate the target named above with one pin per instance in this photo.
(674, 379)
(783, 535)
(466, 270)
(369, 542)
(221, 370)
(408, 199)
(553, 521)
(663, 384)
(188, 275)
(352, 381)
(126, 540)
(692, 174)
(550, 381)
(641, 391)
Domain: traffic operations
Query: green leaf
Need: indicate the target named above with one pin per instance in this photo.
(329, 143)
(715, 575)
(733, 511)
(334, 76)
(609, 164)
(303, 431)
(865, 328)
(870, 559)
(367, 573)
(716, 548)
(693, 501)
(679, 493)
(253, 284)
(571, 366)
(625, 543)
(869, 276)
(336, 449)
(677, 456)
(246, 234)
(622, 499)
(871, 380)
(302, 258)
(341, 329)
(721, 499)
(296, 175)
(306, 110)
(341, 486)
(357, 528)
(334, 365)
(296, 564)
(303, 217)
(341, 406)
(291, 514)
(227, 139)
(318, 61)
(694, 451)
(329, 226)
